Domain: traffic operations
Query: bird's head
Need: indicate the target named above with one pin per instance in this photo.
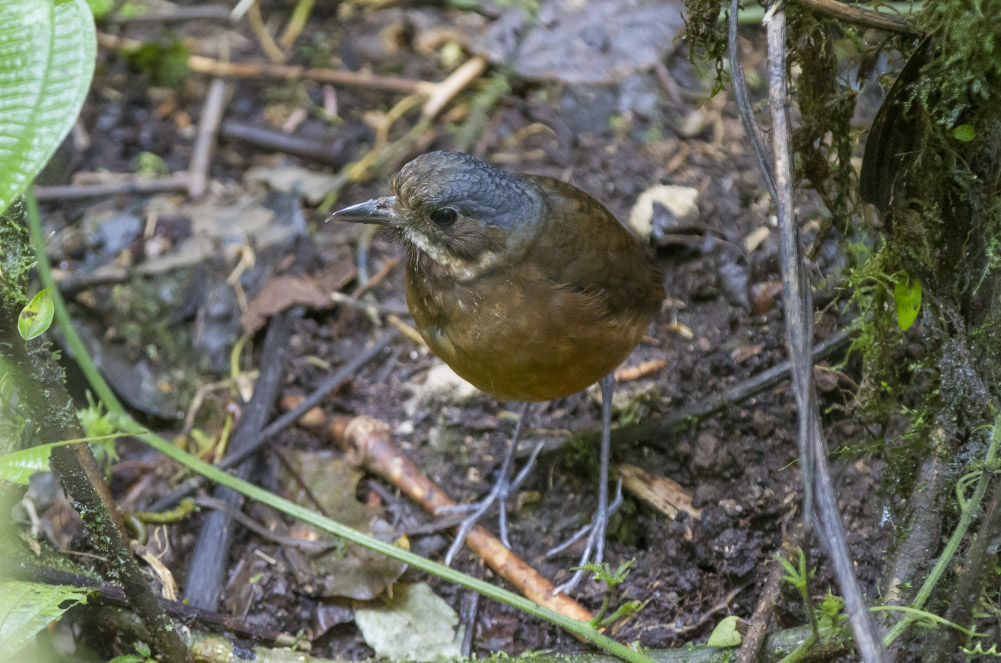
(463, 214)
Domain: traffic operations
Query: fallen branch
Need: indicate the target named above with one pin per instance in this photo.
(324, 151)
(200, 64)
(754, 639)
(653, 431)
(864, 17)
(369, 442)
(133, 184)
(207, 565)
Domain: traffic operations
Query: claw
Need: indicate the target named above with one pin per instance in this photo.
(499, 494)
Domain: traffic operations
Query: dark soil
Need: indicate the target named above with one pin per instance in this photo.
(740, 465)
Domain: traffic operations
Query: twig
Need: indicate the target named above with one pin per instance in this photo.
(652, 430)
(175, 182)
(799, 330)
(264, 37)
(369, 441)
(324, 150)
(205, 65)
(311, 547)
(207, 565)
(208, 126)
(755, 636)
(176, 15)
(455, 83)
(744, 108)
(376, 278)
(468, 613)
(628, 373)
(864, 17)
(295, 24)
(370, 307)
(342, 375)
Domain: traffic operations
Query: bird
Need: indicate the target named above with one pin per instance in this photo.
(527, 287)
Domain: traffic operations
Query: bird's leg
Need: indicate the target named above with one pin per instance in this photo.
(503, 487)
(596, 530)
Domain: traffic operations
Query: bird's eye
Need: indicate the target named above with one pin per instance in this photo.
(443, 216)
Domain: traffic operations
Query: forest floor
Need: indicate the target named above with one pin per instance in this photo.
(152, 284)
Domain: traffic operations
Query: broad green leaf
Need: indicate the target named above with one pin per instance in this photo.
(907, 293)
(47, 52)
(17, 467)
(36, 317)
(28, 607)
(725, 634)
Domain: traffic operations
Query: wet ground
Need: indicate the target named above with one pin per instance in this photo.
(615, 141)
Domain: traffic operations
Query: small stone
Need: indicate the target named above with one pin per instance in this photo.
(680, 201)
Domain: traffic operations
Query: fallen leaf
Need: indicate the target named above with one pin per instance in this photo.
(415, 624)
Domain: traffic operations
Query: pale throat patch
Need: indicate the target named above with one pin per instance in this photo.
(461, 270)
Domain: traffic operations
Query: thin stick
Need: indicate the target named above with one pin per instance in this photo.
(208, 127)
(744, 108)
(456, 82)
(264, 37)
(369, 440)
(298, 21)
(175, 182)
(324, 151)
(864, 17)
(756, 632)
(176, 15)
(799, 331)
(212, 67)
(652, 430)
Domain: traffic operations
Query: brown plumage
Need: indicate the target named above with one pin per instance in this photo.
(526, 286)
(555, 321)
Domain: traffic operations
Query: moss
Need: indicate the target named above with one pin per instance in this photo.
(707, 37)
(16, 257)
(824, 141)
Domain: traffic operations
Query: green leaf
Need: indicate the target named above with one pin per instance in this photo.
(36, 317)
(17, 467)
(47, 52)
(725, 634)
(28, 607)
(907, 293)
(964, 132)
(100, 8)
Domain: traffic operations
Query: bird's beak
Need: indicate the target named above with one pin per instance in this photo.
(378, 210)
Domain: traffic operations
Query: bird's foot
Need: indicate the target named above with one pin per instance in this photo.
(594, 549)
(503, 488)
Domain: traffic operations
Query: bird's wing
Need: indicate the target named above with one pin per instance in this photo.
(591, 257)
